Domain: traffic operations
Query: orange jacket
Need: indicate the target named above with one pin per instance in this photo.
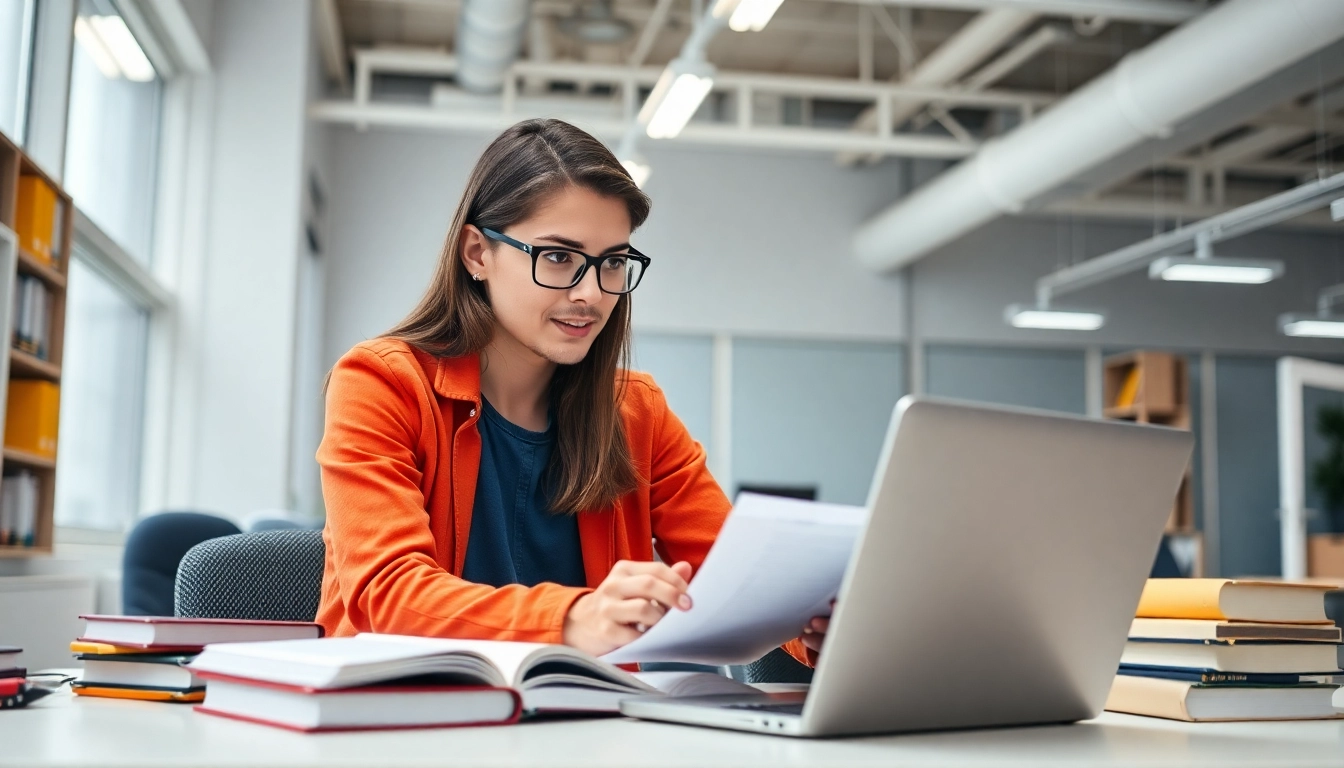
(399, 459)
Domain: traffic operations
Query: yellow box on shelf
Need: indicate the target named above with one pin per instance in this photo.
(32, 416)
(35, 217)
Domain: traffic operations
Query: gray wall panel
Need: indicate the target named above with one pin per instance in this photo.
(1035, 378)
(1248, 470)
(683, 367)
(813, 413)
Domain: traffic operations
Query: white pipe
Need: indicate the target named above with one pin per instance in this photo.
(489, 37)
(1142, 97)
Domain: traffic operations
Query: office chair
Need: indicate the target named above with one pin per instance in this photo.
(154, 548)
(270, 575)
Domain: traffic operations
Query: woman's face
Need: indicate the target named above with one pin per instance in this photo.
(558, 325)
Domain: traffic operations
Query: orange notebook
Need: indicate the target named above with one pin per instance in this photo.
(1233, 600)
(108, 649)
(186, 696)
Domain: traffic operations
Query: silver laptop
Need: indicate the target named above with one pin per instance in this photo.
(994, 584)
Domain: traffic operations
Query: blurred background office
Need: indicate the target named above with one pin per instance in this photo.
(1118, 208)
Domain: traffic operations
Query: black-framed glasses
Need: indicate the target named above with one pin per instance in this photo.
(554, 266)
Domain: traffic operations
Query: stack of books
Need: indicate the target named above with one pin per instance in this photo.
(1217, 649)
(19, 496)
(32, 316)
(146, 657)
(391, 681)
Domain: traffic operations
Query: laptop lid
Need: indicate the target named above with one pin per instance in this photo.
(1001, 565)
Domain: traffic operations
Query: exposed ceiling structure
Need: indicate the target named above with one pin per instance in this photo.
(862, 79)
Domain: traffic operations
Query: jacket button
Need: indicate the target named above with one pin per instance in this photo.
(472, 414)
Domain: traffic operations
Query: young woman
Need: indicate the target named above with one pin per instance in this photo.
(488, 469)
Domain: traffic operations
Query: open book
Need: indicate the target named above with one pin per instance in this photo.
(549, 678)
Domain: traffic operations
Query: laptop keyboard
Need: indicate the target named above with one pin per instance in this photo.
(792, 708)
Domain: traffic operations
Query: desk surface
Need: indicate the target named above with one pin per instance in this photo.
(70, 731)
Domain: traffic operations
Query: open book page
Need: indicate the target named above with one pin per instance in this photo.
(565, 698)
(529, 665)
(338, 662)
(777, 562)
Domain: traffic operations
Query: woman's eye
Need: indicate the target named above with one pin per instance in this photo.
(557, 257)
(615, 263)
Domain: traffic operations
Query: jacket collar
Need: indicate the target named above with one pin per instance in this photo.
(459, 378)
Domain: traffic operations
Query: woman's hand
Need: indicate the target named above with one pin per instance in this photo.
(814, 634)
(632, 598)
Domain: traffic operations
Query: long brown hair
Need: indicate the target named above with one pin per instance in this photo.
(591, 465)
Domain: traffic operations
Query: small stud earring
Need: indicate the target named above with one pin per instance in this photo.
(476, 277)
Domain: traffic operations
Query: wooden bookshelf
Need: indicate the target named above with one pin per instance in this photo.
(20, 364)
(1148, 387)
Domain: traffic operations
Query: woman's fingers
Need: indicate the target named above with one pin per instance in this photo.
(636, 611)
(650, 587)
(813, 642)
(819, 624)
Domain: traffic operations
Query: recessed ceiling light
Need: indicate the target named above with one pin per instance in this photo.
(1314, 326)
(1053, 318)
(1215, 270)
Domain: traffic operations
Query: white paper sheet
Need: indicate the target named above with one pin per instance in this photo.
(777, 562)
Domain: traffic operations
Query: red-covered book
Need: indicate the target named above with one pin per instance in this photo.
(390, 706)
(153, 631)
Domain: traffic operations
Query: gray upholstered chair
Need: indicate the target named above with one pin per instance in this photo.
(273, 575)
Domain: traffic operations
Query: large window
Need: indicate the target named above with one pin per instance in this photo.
(112, 139)
(102, 402)
(16, 34)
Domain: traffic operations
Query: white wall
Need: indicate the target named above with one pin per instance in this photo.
(748, 242)
(240, 461)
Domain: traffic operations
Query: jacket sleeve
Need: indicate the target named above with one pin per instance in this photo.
(378, 528)
(686, 505)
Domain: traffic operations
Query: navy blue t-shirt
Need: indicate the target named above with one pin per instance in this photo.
(515, 538)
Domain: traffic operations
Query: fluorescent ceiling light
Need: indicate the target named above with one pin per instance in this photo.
(1053, 318)
(92, 44)
(752, 15)
(1319, 326)
(1215, 270)
(675, 97)
(638, 169)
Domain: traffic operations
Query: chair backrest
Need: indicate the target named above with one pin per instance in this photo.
(776, 666)
(154, 548)
(271, 575)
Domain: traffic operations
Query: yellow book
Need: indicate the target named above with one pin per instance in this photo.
(108, 649)
(1234, 600)
(1129, 391)
(140, 694)
(35, 216)
(32, 416)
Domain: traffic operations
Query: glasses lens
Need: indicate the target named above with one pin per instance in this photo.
(619, 274)
(556, 269)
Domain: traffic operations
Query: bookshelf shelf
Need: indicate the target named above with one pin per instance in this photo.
(29, 460)
(32, 265)
(37, 216)
(13, 551)
(25, 366)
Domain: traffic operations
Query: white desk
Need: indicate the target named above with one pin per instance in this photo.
(68, 731)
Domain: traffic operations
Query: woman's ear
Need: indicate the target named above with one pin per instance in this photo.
(473, 247)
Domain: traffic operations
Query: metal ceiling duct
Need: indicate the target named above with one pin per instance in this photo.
(489, 38)
(1141, 98)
